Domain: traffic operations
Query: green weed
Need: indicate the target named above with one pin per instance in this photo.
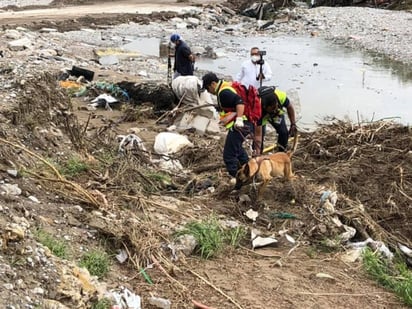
(73, 167)
(106, 157)
(155, 181)
(102, 304)
(235, 235)
(165, 179)
(57, 247)
(211, 237)
(97, 263)
(312, 252)
(395, 277)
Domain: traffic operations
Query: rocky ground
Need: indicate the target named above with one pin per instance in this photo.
(67, 190)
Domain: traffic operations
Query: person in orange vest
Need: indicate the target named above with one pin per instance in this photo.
(231, 108)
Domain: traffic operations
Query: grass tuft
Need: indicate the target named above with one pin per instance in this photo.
(73, 167)
(103, 303)
(235, 235)
(395, 277)
(57, 247)
(211, 237)
(97, 263)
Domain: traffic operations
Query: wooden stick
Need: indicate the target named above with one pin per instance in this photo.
(340, 294)
(216, 288)
(200, 305)
(160, 205)
(401, 177)
(208, 167)
(173, 110)
(261, 254)
(156, 262)
(76, 187)
(405, 195)
(34, 155)
(188, 109)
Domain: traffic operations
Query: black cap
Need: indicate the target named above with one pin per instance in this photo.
(208, 78)
(266, 90)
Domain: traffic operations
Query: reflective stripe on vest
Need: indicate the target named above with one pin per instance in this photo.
(225, 85)
(222, 86)
(281, 95)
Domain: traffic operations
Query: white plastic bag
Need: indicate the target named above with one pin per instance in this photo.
(169, 142)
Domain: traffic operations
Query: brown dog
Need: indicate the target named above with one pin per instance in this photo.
(264, 168)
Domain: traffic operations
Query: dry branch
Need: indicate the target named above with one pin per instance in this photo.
(80, 192)
(215, 288)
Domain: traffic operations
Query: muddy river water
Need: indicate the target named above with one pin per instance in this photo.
(328, 79)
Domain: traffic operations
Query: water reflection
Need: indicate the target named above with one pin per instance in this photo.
(331, 80)
(147, 46)
(398, 69)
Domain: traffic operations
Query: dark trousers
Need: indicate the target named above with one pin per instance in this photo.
(283, 134)
(233, 152)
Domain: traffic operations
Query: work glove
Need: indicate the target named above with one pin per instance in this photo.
(293, 130)
(239, 123)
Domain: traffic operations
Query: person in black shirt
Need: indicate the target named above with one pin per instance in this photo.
(231, 107)
(184, 59)
(275, 104)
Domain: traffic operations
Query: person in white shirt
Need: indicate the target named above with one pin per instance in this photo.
(250, 73)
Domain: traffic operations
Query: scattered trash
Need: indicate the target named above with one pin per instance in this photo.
(282, 215)
(251, 214)
(374, 245)
(329, 195)
(337, 221)
(70, 84)
(103, 100)
(14, 232)
(360, 244)
(328, 201)
(290, 239)
(168, 142)
(129, 142)
(351, 255)
(229, 224)
(124, 299)
(405, 250)
(160, 302)
(168, 164)
(122, 256)
(348, 234)
(115, 90)
(145, 275)
(328, 207)
(258, 241)
(325, 276)
(87, 74)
